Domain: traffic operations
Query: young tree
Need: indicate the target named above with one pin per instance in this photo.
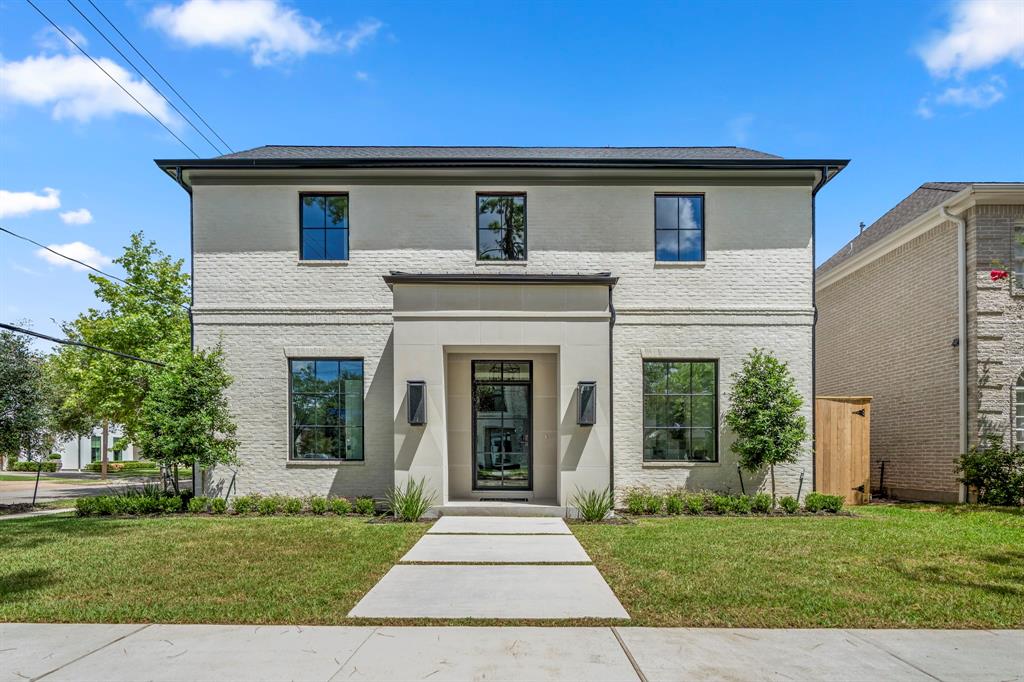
(185, 418)
(764, 413)
(22, 403)
(146, 318)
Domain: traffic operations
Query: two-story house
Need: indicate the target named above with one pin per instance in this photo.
(924, 311)
(504, 323)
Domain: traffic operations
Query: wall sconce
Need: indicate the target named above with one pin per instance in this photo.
(416, 402)
(586, 393)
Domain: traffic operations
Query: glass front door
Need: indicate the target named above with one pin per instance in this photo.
(502, 418)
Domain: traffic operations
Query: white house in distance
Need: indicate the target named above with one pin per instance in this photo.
(504, 323)
(78, 453)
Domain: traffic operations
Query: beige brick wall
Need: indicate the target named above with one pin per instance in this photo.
(887, 331)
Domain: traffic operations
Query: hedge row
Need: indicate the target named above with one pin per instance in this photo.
(642, 501)
(153, 501)
(49, 466)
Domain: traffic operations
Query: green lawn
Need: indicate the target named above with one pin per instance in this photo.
(890, 566)
(183, 569)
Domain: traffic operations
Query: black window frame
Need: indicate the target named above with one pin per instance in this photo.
(348, 229)
(291, 410)
(715, 419)
(677, 229)
(476, 227)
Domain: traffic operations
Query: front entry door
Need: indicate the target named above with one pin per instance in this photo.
(502, 424)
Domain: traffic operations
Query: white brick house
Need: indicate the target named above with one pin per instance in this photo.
(504, 283)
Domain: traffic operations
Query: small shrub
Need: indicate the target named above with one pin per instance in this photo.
(762, 503)
(340, 506)
(653, 503)
(318, 505)
(54, 457)
(365, 506)
(410, 503)
(292, 505)
(86, 506)
(994, 471)
(674, 504)
(245, 504)
(33, 466)
(593, 505)
(694, 504)
(817, 502)
(218, 505)
(268, 506)
(197, 505)
(634, 500)
(789, 504)
(721, 504)
(742, 504)
(172, 505)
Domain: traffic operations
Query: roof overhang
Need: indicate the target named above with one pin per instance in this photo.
(600, 278)
(183, 171)
(979, 194)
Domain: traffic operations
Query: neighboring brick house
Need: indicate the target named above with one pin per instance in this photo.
(504, 323)
(907, 304)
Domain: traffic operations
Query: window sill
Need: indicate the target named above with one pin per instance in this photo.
(321, 463)
(677, 465)
(680, 263)
(321, 263)
(502, 262)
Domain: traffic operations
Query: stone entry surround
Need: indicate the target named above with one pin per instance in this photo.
(494, 568)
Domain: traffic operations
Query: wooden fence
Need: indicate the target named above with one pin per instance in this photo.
(842, 457)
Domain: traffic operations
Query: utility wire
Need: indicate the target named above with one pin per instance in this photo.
(157, 72)
(130, 63)
(80, 344)
(75, 260)
(61, 31)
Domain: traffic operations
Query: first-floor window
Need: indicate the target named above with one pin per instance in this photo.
(680, 410)
(1018, 411)
(118, 451)
(327, 409)
(96, 448)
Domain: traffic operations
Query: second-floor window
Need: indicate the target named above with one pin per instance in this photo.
(679, 227)
(501, 227)
(1018, 258)
(324, 226)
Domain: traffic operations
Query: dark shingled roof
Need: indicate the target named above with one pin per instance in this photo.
(923, 199)
(296, 153)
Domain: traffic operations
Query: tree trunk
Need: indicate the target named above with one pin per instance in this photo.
(771, 468)
(103, 450)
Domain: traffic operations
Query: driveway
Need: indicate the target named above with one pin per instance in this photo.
(276, 652)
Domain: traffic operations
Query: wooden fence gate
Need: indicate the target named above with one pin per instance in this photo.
(842, 456)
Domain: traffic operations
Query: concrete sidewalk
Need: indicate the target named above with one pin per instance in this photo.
(246, 652)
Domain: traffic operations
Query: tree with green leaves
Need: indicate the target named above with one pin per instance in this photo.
(22, 401)
(145, 317)
(185, 418)
(764, 414)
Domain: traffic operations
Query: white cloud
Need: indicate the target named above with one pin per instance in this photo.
(364, 31)
(77, 89)
(739, 127)
(82, 216)
(976, 97)
(77, 250)
(982, 34)
(362, 76)
(22, 203)
(924, 108)
(271, 31)
(50, 38)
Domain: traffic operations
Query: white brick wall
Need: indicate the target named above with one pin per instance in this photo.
(252, 293)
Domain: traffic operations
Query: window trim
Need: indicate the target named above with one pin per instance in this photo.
(348, 230)
(703, 227)
(292, 459)
(476, 228)
(1016, 283)
(717, 461)
(1017, 411)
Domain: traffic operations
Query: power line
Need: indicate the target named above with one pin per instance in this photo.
(157, 72)
(82, 263)
(80, 344)
(116, 82)
(131, 64)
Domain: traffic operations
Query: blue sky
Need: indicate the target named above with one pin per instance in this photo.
(910, 91)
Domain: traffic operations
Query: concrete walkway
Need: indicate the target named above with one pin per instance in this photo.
(493, 567)
(245, 652)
